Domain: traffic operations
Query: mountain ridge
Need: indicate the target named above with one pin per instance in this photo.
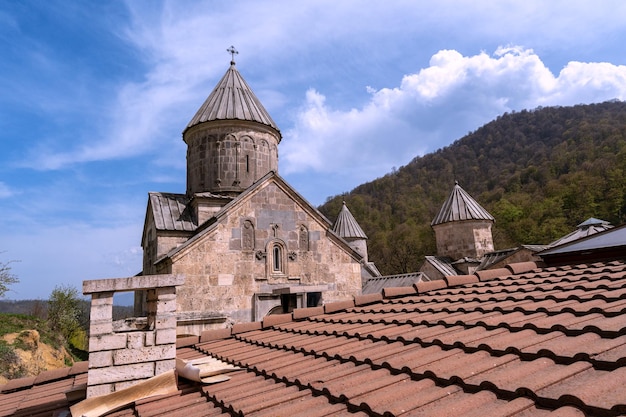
(539, 172)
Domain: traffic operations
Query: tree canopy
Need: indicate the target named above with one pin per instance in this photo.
(538, 172)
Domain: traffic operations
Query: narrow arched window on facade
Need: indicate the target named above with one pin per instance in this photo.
(277, 261)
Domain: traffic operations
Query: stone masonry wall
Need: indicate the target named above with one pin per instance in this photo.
(229, 265)
(120, 357)
(229, 157)
(464, 239)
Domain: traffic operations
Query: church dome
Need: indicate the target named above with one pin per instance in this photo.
(231, 140)
(232, 99)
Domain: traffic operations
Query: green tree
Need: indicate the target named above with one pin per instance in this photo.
(6, 277)
(64, 311)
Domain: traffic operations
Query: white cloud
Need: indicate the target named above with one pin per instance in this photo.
(434, 106)
(183, 49)
(5, 190)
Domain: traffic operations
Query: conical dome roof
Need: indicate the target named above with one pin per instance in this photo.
(232, 99)
(346, 225)
(460, 206)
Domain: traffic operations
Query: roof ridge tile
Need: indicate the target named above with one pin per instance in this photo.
(422, 287)
(215, 334)
(48, 376)
(458, 280)
(246, 327)
(79, 368)
(187, 341)
(17, 384)
(392, 292)
(274, 319)
(365, 299)
(521, 267)
(338, 306)
(489, 274)
(303, 313)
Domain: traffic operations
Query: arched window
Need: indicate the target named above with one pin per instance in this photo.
(277, 262)
(276, 259)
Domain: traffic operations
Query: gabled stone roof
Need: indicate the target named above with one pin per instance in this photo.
(460, 206)
(232, 99)
(271, 176)
(442, 264)
(376, 285)
(171, 212)
(346, 225)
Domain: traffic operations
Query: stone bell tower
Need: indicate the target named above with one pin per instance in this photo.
(231, 141)
(462, 227)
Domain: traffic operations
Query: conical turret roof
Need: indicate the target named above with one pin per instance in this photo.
(346, 225)
(460, 206)
(589, 227)
(232, 99)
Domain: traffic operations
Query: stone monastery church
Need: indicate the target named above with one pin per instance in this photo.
(247, 243)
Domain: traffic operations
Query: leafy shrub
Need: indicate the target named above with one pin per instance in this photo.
(11, 365)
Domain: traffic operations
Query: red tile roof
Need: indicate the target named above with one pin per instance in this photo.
(543, 341)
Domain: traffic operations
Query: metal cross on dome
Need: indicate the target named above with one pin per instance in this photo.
(233, 52)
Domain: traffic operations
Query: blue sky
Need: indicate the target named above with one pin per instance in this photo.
(95, 96)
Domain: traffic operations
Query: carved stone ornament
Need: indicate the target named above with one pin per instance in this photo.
(247, 235)
(292, 256)
(260, 255)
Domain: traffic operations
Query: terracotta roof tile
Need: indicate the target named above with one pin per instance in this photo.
(187, 341)
(422, 287)
(301, 313)
(215, 334)
(79, 368)
(391, 292)
(15, 384)
(245, 327)
(521, 267)
(367, 299)
(455, 280)
(542, 342)
(273, 320)
(338, 306)
(489, 274)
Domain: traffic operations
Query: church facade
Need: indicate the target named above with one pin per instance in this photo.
(247, 243)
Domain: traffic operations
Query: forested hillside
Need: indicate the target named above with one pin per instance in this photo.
(539, 173)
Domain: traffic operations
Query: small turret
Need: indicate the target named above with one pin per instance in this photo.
(348, 228)
(462, 227)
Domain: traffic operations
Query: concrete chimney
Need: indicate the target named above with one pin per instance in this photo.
(122, 355)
